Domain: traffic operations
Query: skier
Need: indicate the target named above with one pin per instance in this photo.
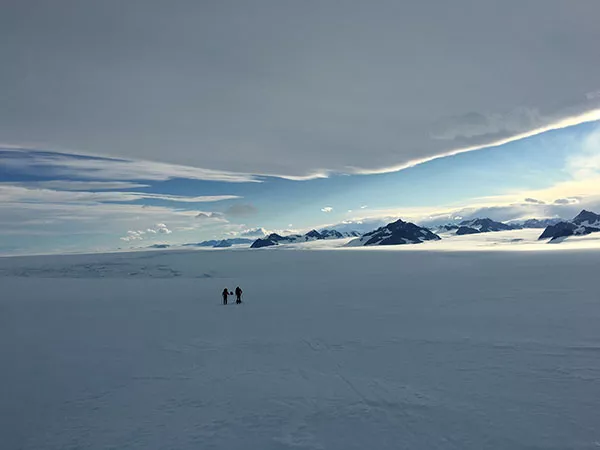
(238, 295)
(225, 294)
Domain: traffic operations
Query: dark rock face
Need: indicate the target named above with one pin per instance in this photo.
(396, 233)
(584, 216)
(272, 239)
(333, 234)
(561, 229)
(585, 222)
(462, 230)
(260, 243)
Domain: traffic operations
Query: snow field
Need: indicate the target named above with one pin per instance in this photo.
(347, 349)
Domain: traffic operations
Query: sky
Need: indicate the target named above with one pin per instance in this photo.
(125, 124)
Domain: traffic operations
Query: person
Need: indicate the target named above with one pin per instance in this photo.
(238, 295)
(225, 294)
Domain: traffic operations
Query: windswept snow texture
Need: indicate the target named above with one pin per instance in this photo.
(340, 349)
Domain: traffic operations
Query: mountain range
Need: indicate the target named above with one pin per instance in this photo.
(215, 243)
(585, 222)
(486, 225)
(538, 223)
(401, 232)
(221, 243)
(313, 235)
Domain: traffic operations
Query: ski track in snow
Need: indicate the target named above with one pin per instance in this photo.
(346, 349)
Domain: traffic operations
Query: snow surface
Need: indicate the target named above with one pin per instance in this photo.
(332, 349)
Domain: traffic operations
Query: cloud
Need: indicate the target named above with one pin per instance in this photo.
(241, 210)
(580, 189)
(209, 215)
(519, 120)
(239, 230)
(590, 116)
(68, 185)
(162, 228)
(20, 192)
(133, 235)
(586, 162)
(364, 207)
(501, 207)
(183, 198)
(566, 201)
(138, 235)
(288, 231)
(411, 96)
(93, 167)
(34, 209)
(327, 209)
(55, 226)
(533, 200)
(254, 232)
(593, 95)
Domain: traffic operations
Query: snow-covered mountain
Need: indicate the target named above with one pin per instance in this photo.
(335, 234)
(210, 243)
(313, 235)
(585, 222)
(234, 241)
(484, 225)
(273, 239)
(536, 223)
(395, 233)
(223, 243)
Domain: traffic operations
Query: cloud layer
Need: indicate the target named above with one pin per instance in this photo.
(59, 165)
(16, 193)
(290, 88)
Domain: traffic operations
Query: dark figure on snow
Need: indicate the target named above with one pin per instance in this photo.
(238, 295)
(225, 294)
